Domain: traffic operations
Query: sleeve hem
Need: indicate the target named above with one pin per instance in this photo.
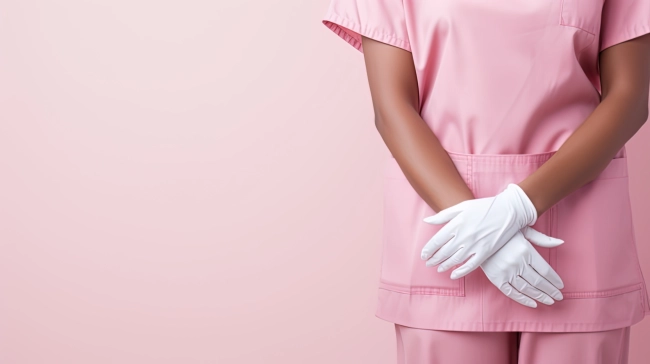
(629, 34)
(351, 32)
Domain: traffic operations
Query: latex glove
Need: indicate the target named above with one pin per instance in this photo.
(521, 273)
(478, 227)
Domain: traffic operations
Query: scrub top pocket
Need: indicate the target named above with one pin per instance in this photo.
(405, 234)
(582, 14)
(599, 256)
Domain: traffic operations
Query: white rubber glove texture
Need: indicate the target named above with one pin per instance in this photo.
(478, 227)
(521, 273)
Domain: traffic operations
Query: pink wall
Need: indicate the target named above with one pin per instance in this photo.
(195, 182)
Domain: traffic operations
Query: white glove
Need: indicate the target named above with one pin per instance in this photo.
(480, 227)
(521, 273)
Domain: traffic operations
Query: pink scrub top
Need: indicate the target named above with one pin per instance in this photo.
(502, 85)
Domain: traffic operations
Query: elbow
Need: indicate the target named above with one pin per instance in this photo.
(634, 102)
(379, 125)
(383, 124)
(379, 121)
(642, 112)
(645, 114)
(389, 114)
(640, 104)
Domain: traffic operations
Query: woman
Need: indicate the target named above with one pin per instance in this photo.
(507, 123)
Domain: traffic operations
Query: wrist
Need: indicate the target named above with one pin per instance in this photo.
(528, 207)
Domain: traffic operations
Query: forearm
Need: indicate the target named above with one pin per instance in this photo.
(588, 150)
(393, 82)
(425, 163)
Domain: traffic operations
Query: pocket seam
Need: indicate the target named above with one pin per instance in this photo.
(552, 252)
(638, 263)
(617, 169)
(426, 290)
(392, 171)
(604, 293)
(566, 24)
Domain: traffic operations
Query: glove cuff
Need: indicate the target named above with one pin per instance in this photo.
(528, 206)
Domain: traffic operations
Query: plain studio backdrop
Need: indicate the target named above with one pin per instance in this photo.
(196, 182)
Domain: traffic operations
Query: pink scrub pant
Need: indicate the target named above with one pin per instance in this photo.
(422, 346)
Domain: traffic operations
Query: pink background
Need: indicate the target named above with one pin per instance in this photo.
(195, 182)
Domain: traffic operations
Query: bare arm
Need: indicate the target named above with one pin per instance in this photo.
(394, 91)
(625, 80)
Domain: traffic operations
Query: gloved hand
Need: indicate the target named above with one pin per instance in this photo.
(480, 227)
(521, 273)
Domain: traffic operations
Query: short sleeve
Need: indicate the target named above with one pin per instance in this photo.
(381, 20)
(623, 20)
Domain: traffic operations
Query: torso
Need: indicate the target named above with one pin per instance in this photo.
(497, 79)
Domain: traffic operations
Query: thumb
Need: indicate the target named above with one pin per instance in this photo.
(447, 214)
(540, 239)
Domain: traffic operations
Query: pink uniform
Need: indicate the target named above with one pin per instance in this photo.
(502, 85)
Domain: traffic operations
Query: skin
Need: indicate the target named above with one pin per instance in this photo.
(625, 81)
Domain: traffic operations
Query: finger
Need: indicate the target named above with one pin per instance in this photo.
(456, 258)
(536, 280)
(445, 252)
(511, 292)
(440, 238)
(465, 269)
(539, 238)
(447, 214)
(525, 287)
(542, 267)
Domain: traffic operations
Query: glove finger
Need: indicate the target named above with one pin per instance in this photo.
(440, 238)
(445, 252)
(538, 238)
(525, 287)
(542, 267)
(511, 292)
(447, 214)
(467, 268)
(537, 281)
(456, 258)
